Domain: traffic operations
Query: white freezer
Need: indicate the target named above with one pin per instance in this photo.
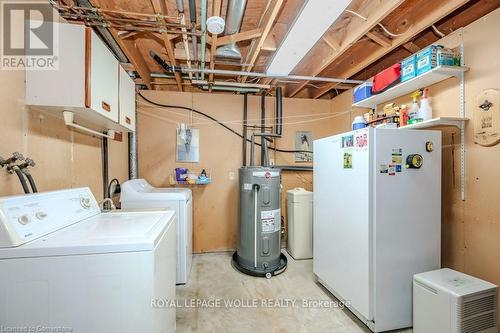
(376, 224)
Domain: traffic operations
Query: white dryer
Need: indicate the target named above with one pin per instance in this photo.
(66, 266)
(139, 194)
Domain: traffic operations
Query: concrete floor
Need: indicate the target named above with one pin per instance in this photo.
(213, 279)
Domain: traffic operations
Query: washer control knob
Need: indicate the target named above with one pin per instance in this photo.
(40, 215)
(24, 219)
(86, 203)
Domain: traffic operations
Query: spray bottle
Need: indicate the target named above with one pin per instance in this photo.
(414, 109)
(425, 111)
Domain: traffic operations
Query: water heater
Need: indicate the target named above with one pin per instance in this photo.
(259, 246)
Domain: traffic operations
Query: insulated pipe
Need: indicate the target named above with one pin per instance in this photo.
(245, 135)
(203, 36)
(20, 175)
(279, 111)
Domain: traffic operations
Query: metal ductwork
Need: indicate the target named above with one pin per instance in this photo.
(234, 17)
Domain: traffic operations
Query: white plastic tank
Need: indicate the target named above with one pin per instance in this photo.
(300, 223)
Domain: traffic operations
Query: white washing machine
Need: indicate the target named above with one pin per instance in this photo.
(65, 266)
(139, 194)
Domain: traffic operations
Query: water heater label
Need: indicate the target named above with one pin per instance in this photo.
(271, 220)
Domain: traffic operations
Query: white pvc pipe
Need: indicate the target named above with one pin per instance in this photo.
(262, 75)
(69, 121)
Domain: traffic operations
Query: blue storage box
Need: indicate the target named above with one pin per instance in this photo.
(362, 91)
(433, 56)
(408, 68)
(426, 59)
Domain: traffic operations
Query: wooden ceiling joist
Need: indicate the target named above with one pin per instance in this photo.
(129, 46)
(435, 12)
(356, 29)
(379, 38)
(241, 36)
(160, 7)
(256, 47)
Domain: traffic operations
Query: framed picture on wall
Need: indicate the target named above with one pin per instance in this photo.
(188, 145)
(303, 142)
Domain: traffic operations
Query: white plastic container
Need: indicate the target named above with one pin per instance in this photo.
(358, 122)
(300, 223)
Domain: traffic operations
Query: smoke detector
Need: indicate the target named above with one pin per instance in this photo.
(215, 25)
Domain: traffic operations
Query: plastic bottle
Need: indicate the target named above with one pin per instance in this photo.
(425, 111)
(403, 116)
(359, 122)
(413, 114)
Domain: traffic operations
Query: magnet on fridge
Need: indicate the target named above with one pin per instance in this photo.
(392, 170)
(398, 168)
(383, 168)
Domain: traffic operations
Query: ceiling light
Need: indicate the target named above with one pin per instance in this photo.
(314, 19)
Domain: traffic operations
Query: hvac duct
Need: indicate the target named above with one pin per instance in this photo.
(234, 17)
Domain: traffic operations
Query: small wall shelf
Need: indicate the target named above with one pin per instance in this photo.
(437, 122)
(431, 77)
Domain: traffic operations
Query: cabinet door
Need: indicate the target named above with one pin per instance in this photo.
(102, 79)
(127, 100)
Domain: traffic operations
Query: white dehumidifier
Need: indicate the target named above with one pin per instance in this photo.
(447, 301)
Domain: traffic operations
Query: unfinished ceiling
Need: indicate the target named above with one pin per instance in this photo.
(368, 37)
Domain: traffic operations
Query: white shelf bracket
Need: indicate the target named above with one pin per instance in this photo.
(69, 120)
(462, 126)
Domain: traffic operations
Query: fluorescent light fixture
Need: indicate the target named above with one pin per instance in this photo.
(314, 19)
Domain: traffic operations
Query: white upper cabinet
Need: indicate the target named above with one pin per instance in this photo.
(103, 77)
(88, 82)
(126, 100)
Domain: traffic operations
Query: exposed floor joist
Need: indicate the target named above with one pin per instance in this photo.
(437, 10)
(357, 28)
(160, 7)
(269, 18)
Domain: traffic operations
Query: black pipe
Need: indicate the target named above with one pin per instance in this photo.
(293, 168)
(20, 175)
(262, 128)
(279, 111)
(245, 135)
(192, 11)
(31, 181)
(105, 165)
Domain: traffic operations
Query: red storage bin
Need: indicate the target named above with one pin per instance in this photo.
(386, 79)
